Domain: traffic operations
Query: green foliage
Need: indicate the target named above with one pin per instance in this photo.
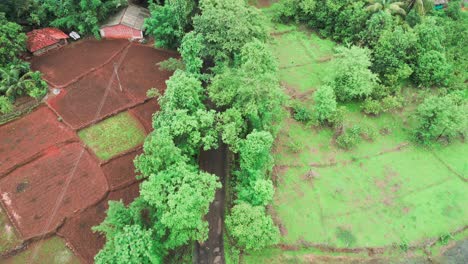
(393, 55)
(131, 245)
(389, 6)
(325, 103)
(441, 117)
(17, 79)
(251, 228)
(160, 153)
(192, 46)
(255, 152)
(83, 16)
(257, 192)
(353, 78)
(184, 91)
(172, 64)
(5, 105)
(169, 23)
(371, 106)
(386, 104)
(226, 26)
(349, 138)
(375, 26)
(182, 195)
(12, 41)
(252, 88)
(432, 69)
(232, 128)
(301, 113)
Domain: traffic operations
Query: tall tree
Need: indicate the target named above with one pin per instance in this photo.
(251, 227)
(12, 41)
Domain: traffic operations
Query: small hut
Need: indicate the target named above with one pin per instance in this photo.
(126, 24)
(43, 40)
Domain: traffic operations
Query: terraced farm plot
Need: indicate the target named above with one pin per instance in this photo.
(122, 128)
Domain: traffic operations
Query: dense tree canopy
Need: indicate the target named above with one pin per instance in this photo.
(12, 41)
(226, 26)
(251, 228)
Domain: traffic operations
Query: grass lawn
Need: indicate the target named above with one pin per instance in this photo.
(113, 135)
(382, 193)
(8, 236)
(51, 251)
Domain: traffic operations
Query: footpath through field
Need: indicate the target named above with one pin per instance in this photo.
(62, 163)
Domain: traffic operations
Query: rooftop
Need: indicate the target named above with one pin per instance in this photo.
(44, 37)
(132, 16)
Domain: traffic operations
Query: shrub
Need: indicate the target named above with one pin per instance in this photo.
(350, 138)
(439, 117)
(5, 105)
(353, 78)
(432, 69)
(301, 113)
(371, 107)
(325, 103)
(391, 103)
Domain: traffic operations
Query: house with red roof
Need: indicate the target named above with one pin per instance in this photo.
(125, 24)
(45, 39)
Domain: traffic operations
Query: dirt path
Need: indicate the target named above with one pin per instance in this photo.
(212, 250)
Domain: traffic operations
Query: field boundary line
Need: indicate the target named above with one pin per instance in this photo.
(449, 167)
(372, 205)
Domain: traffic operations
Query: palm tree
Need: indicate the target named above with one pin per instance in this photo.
(421, 6)
(17, 79)
(390, 6)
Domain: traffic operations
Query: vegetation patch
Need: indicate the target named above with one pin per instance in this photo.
(8, 236)
(113, 135)
(53, 251)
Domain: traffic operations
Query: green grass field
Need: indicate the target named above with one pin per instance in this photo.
(387, 192)
(113, 135)
(8, 236)
(51, 251)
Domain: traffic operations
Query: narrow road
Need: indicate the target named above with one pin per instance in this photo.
(212, 250)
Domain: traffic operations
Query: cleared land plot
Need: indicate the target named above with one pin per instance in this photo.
(87, 100)
(382, 193)
(23, 139)
(50, 251)
(77, 229)
(30, 193)
(63, 65)
(113, 135)
(304, 59)
(121, 171)
(139, 72)
(144, 113)
(9, 239)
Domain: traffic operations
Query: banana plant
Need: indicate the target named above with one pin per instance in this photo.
(18, 79)
(390, 6)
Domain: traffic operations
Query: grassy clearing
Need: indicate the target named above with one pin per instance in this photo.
(113, 135)
(384, 192)
(304, 58)
(8, 236)
(52, 251)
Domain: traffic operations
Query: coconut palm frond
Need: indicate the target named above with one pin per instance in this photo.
(395, 8)
(374, 7)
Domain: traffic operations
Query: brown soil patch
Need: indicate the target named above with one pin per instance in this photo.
(22, 139)
(79, 104)
(139, 70)
(144, 113)
(77, 229)
(32, 209)
(62, 66)
(121, 171)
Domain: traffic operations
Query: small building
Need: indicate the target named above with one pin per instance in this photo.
(45, 39)
(126, 24)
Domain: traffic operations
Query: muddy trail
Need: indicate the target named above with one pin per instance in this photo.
(212, 250)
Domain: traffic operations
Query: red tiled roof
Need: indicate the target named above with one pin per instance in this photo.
(121, 32)
(41, 38)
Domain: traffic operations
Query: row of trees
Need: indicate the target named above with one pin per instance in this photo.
(387, 43)
(16, 78)
(225, 62)
(83, 16)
